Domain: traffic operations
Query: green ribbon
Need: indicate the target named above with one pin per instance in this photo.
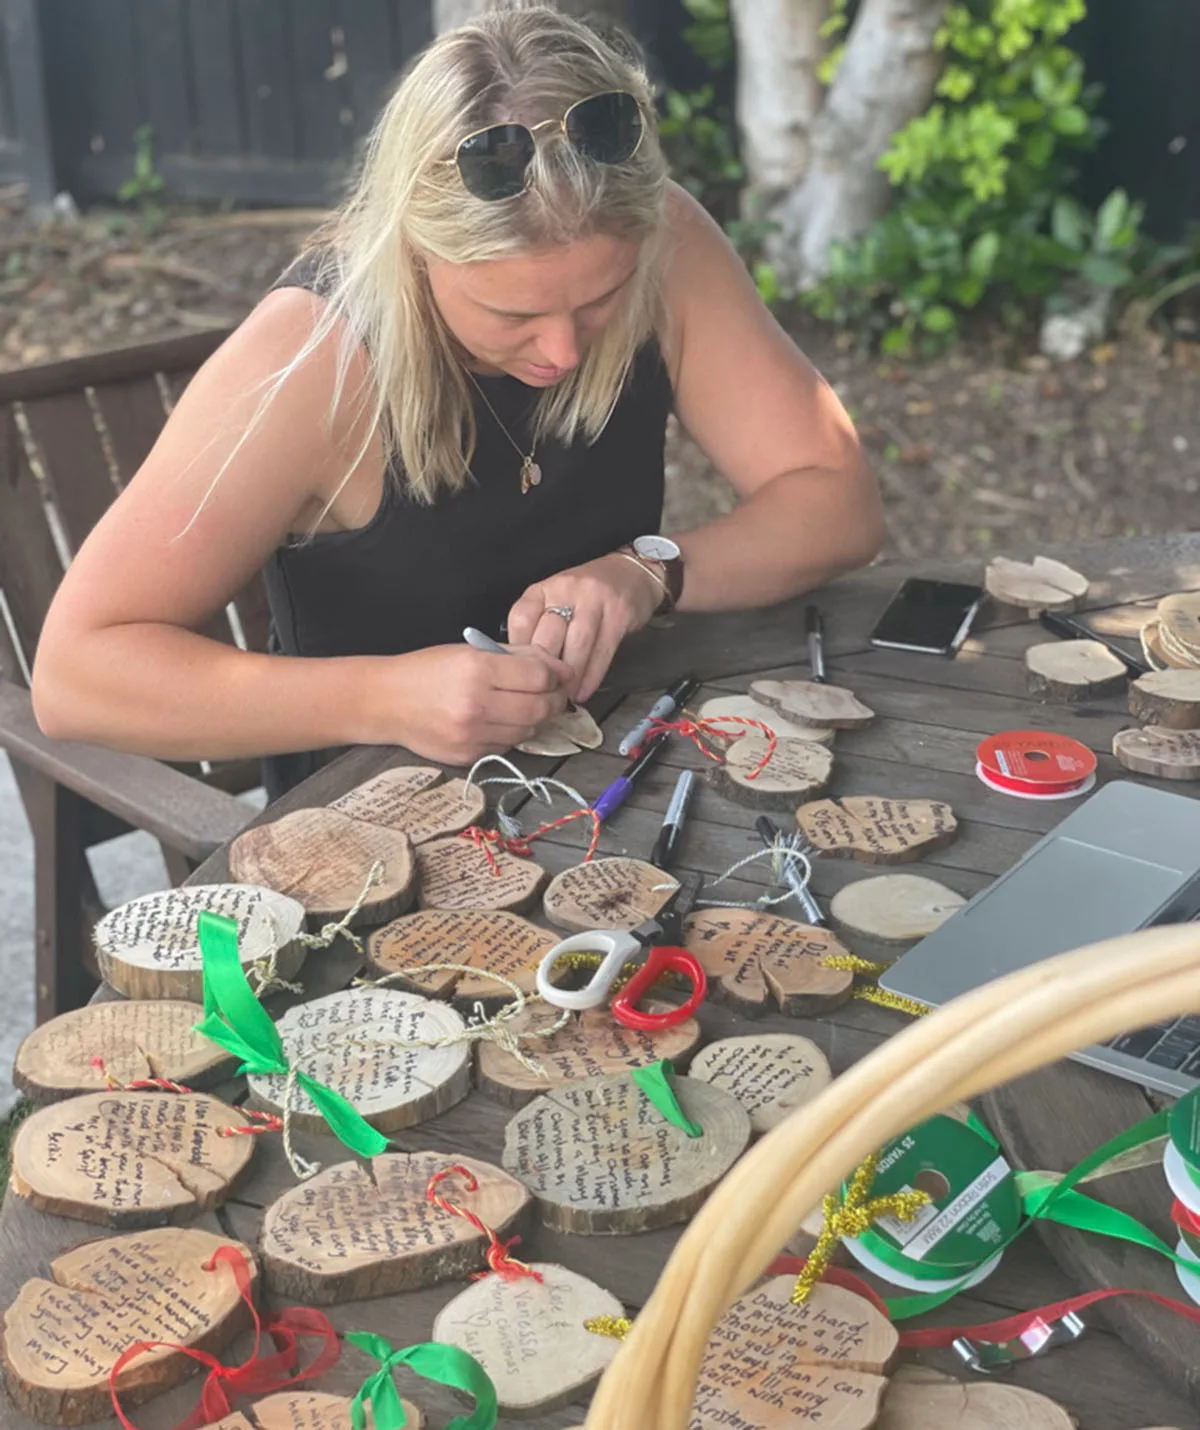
(654, 1081)
(446, 1364)
(238, 1022)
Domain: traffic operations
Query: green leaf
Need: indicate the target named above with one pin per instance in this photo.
(939, 319)
(766, 280)
(983, 254)
(1070, 223)
(1105, 272)
(1111, 218)
(1070, 120)
(895, 343)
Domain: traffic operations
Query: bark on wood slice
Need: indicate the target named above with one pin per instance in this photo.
(607, 894)
(364, 1043)
(895, 908)
(592, 1043)
(356, 1231)
(129, 1159)
(1169, 754)
(486, 939)
(1074, 670)
(145, 1039)
(411, 800)
(1152, 643)
(1179, 627)
(917, 1399)
(323, 858)
(310, 1410)
(1168, 698)
(565, 734)
(809, 702)
(599, 1157)
(747, 708)
(530, 1337)
(797, 770)
(770, 1074)
(456, 874)
(1038, 585)
(752, 958)
(148, 948)
(62, 1337)
(876, 829)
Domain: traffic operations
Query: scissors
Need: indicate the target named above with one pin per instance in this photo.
(657, 940)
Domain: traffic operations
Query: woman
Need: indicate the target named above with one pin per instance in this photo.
(451, 412)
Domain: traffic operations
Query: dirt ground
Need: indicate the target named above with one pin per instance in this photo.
(987, 450)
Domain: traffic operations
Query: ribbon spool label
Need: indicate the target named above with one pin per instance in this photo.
(1183, 1125)
(1034, 762)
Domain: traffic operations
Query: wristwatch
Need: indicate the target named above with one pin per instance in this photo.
(665, 553)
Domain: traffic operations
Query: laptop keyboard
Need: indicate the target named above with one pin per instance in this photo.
(1174, 1044)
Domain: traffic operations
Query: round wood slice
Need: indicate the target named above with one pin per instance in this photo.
(1150, 640)
(809, 702)
(752, 957)
(129, 1159)
(599, 1157)
(607, 894)
(1074, 670)
(362, 1043)
(876, 829)
(456, 874)
(410, 801)
(62, 1336)
(918, 1398)
(797, 770)
(1038, 585)
(1179, 626)
(309, 1410)
(770, 1074)
(144, 1039)
(590, 1044)
(487, 939)
(747, 708)
(1168, 698)
(1169, 754)
(531, 1336)
(355, 1231)
(148, 948)
(896, 908)
(564, 734)
(323, 859)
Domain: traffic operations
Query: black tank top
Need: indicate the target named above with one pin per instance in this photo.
(417, 573)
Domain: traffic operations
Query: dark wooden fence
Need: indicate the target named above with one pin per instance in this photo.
(24, 132)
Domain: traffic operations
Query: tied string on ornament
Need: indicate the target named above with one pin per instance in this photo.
(791, 859)
(871, 992)
(508, 1268)
(260, 1374)
(264, 1121)
(446, 1364)
(694, 727)
(509, 836)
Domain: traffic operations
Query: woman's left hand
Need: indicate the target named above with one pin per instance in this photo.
(607, 599)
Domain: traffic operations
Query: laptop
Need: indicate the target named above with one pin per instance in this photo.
(1128, 858)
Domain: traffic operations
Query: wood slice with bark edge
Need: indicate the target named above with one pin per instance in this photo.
(129, 1160)
(311, 1410)
(745, 707)
(1179, 626)
(810, 702)
(1073, 670)
(531, 1337)
(323, 858)
(1168, 754)
(359, 1230)
(456, 874)
(421, 808)
(797, 770)
(488, 939)
(599, 1157)
(592, 1043)
(1150, 640)
(564, 734)
(1042, 584)
(877, 829)
(751, 957)
(770, 1074)
(894, 908)
(147, 948)
(361, 1043)
(61, 1338)
(142, 1039)
(614, 893)
(1167, 698)
(918, 1398)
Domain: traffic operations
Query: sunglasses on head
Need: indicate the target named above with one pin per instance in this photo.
(493, 163)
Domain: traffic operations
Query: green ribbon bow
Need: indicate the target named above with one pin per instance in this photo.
(237, 1021)
(446, 1364)
(655, 1082)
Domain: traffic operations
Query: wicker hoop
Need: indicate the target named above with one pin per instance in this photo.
(991, 1036)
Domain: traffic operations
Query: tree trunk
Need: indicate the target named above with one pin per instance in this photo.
(449, 13)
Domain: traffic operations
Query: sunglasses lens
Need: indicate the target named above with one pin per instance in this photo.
(606, 128)
(492, 163)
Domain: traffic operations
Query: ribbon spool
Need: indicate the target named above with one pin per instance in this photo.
(1035, 764)
(1181, 1167)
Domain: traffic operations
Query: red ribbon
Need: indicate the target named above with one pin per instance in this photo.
(256, 1376)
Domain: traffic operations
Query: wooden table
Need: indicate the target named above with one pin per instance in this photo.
(1136, 1366)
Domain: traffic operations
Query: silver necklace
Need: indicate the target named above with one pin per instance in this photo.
(531, 473)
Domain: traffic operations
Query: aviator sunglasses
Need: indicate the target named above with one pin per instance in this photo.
(493, 163)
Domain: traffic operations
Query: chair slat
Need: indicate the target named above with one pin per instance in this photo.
(30, 566)
(76, 468)
(133, 415)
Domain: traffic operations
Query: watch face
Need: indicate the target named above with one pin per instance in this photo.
(656, 548)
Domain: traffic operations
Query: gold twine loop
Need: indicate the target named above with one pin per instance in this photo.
(615, 1327)
(871, 992)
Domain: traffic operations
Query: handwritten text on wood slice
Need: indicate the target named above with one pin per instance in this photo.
(323, 859)
(896, 908)
(356, 1230)
(918, 1399)
(564, 734)
(411, 800)
(876, 829)
(310, 1410)
(366, 1044)
(812, 702)
(143, 1039)
(148, 947)
(1169, 698)
(751, 957)
(770, 1074)
(530, 1337)
(1042, 584)
(487, 939)
(1074, 670)
(1179, 624)
(747, 708)
(607, 894)
(456, 874)
(62, 1336)
(599, 1157)
(591, 1043)
(796, 770)
(129, 1159)
(1169, 754)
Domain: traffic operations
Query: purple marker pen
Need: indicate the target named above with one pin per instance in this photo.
(622, 787)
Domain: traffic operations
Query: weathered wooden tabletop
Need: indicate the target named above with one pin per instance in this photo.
(1137, 1365)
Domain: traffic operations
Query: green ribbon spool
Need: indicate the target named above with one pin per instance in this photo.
(1183, 1128)
(654, 1082)
(446, 1364)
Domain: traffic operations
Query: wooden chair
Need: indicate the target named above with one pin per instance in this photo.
(71, 434)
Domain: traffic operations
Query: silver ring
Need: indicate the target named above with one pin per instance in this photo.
(566, 612)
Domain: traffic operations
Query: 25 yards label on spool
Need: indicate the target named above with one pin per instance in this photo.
(1034, 762)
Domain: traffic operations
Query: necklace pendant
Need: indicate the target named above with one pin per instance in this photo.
(531, 475)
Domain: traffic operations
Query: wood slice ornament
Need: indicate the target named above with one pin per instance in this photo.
(356, 1230)
(457, 874)
(752, 958)
(411, 800)
(599, 1157)
(62, 1336)
(796, 770)
(770, 1074)
(1042, 584)
(307, 1410)
(811, 702)
(745, 707)
(564, 734)
(918, 1397)
(894, 908)
(531, 1337)
(1169, 754)
(1074, 670)
(607, 894)
(1168, 698)
(876, 829)
(1179, 629)
(148, 947)
(486, 939)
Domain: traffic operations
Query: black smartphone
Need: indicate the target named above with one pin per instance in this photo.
(929, 616)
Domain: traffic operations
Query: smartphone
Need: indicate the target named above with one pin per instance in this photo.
(929, 616)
